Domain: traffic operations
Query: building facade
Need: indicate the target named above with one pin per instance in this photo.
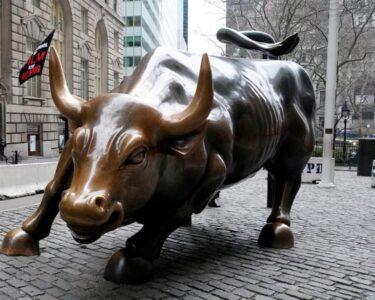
(88, 37)
(149, 24)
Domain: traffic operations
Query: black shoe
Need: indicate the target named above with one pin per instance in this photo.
(213, 203)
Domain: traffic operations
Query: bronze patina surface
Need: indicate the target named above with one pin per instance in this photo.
(156, 149)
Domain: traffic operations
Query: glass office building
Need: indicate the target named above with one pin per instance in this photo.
(149, 24)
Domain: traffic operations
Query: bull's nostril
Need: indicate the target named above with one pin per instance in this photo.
(99, 202)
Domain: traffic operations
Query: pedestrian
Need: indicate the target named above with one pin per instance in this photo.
(3, 144)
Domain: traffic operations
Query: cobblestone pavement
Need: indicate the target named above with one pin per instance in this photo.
(218, 257)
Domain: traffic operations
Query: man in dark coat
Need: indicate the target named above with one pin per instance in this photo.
(3, 144)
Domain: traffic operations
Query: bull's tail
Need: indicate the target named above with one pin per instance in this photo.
(256, 40)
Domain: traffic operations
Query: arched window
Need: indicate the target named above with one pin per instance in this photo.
(98, 62)
(57, 20)
(101, 59)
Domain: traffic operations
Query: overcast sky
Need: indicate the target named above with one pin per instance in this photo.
(204, 21)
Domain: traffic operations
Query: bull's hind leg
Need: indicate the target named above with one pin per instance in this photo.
(25, 239)
(277, 233)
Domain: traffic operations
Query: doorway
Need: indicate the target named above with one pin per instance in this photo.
(33, 139)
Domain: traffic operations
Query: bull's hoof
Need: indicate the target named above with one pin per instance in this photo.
(18, 242)
(276, 235)
(125, 268)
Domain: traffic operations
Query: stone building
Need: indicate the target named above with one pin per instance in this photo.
(88, 37)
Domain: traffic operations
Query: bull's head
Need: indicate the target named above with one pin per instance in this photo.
(126, 154)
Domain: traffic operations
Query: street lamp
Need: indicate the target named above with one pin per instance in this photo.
(345, 113)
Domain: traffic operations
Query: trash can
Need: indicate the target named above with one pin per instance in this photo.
(373, 174)
(366, 154)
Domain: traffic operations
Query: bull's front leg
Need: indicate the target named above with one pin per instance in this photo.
(25, 239)
(277, 233)
(135, 263)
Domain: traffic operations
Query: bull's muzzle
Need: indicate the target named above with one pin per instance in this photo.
(89, 216)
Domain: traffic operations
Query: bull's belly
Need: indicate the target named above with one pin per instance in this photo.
(246, 163)
(230, 181)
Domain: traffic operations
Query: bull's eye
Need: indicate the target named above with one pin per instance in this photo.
(136, 157)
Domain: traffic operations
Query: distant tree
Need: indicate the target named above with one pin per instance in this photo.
(356, 45)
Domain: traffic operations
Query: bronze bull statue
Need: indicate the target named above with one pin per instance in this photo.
(160, 146)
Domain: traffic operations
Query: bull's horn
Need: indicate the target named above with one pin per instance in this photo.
(197, 112)
(67, 104)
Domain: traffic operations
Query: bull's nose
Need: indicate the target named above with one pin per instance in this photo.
(92, 209)
(99, 203)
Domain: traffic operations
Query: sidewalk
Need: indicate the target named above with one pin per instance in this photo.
(218, 257)
(34, 160)
(26, 178)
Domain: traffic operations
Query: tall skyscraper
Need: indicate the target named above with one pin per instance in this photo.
(149, 24)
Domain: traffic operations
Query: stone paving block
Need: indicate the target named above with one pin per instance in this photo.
(285, 297)
(225, 295)
(260, 290)
(233, 282)
(32, 291)
(244, 293)
(200, 286)
(45, 297)
(203, 295)
(17, 283)
(220, 285)
(298, 295)
(261, 297)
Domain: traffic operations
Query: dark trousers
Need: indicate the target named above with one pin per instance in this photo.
(2, 156)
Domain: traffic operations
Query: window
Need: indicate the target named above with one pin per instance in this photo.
(132, 41)
(322, 97)
(98, 63)
(57, 21)
(33, 138)
(133, 21)
(129, 41)
(129, 21)
(116, 78)
(35, 3)
(137, 59)
(84, 78)
(129, 61)
(368, 115)
(115, 5)
(33, 85)
(137, 21)
(84, 20)
(137, 41)
(115, 42)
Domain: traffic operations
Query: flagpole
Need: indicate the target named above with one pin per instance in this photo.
(329, 108)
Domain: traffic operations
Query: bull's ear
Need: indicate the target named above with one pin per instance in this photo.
(195, 114)
(182, 145)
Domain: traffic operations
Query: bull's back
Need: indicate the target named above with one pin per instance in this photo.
(254, 101)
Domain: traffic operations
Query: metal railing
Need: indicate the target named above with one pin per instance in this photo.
(351, 151)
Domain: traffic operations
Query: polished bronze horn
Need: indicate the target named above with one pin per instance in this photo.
(198, 110)
(67, 104)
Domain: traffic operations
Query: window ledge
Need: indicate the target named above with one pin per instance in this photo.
(34, 101)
